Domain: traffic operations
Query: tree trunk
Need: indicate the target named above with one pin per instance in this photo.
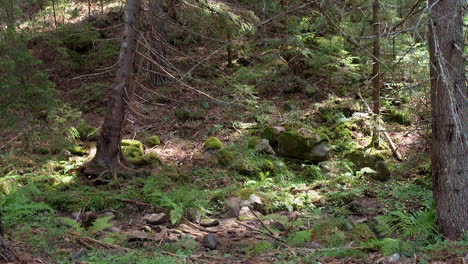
(449, 117)
(108, 153)
(55, 15)
(229, 48)
(158, 37)
(376, 72)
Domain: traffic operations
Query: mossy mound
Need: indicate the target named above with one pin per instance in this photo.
(377, 163)
(153, 141)
(150, 159)
(133, 154)
(77, 150)
(132, 143)
(213, 143)
(226, 157)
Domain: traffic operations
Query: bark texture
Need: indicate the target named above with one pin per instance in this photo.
(376, 71)
(108, 154)
(449, 117)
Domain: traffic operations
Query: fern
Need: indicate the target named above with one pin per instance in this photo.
(100, 224)
(422, 223)
(72, 223)
(387, 245)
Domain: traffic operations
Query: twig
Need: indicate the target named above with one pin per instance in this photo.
(84, 239)
(261, 222)
(9, 141)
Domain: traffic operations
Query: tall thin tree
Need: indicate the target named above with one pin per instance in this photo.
(449, 117)
(108, 154)
(376, 76)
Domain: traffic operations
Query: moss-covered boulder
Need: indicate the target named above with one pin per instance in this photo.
(302, 144)
(361, 160)
(272, 134)
(245, 167)
(133, 154)
(153, 141)
(132, 143)
(213, 143)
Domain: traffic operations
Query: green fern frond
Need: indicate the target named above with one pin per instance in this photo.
(72, 223)
(100, 224)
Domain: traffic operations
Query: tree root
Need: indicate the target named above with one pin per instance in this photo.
(96, 173)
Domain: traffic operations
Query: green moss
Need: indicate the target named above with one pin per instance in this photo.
(362, 233)
(133, 154)
(81, 41)
(132, 143)
(77, 150)
(213, 143)
(151, 159)
(400, 117)
(244, 193)
(271, 133)
(153, 141)
(245, 167)
(253, 141)
(259, 248)
(226, 157)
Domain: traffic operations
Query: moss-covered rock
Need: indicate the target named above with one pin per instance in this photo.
(133, 154)
(132, 143)
(151, 159)
(272, 134)
(77, 150)
(377, 163)
(245, 167)
(303, 144)
(213, 143)
(153, 141)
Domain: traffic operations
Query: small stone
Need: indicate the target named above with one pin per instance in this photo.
(113, 229)
(209, 222)
(393, 258)
(211, 241)
(147, 229)
(155, 219)
(137, 235)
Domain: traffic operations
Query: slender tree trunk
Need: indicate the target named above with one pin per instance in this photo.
(108, 154)
(449, 117)
(229, 48)
(89, 9)
(102, 7)
(158, 37)
(55, 15)
(10, 13)
(376, 72)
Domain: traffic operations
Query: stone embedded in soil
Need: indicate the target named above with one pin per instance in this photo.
(234, 204)
(155, 219)
(246, 213)
(137, 235)
(211, 241)
(393, 258)
(209, 222)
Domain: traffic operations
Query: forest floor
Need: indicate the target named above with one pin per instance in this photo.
(228, 205)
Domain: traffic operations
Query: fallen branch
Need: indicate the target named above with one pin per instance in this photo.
(84, 241)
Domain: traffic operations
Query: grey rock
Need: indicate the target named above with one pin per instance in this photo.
(246, 213)
(393, 258)
(137, 235)
(234, 204)
(263, 147)
(155, 219)
(211, 241)
(256, 202)
(108, 214)
(147, 229)
(193, 215)
(209, 222)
